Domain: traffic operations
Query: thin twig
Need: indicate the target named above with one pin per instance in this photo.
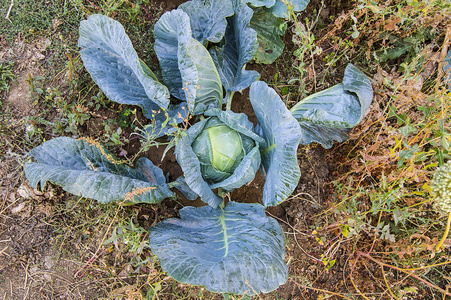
(404, 271)
(386, 283)
(89, 263)
(9, 11)
(445, 235)
(4, 249)
(352, 281)
(320, 290)
(95, 256)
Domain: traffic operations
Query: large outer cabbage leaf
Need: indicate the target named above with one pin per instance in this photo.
(84, 168)
(282, 134)
(208, 18)
(109, 57)
(280, 8)
(171, 29)
(269, 29)
(240, 47)
(330, 114)
(236, 249)
(186, 65)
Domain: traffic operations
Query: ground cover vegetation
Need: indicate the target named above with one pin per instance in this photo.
(367, 219)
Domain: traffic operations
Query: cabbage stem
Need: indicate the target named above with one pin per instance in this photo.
(221, 192)
(229, 100)
(445, 235)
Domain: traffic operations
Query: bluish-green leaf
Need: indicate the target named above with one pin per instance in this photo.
(280, 8)
(180, 184)
(240, 48)
(171, 29)
(236, 249)
(357, 82)
(85, 168)
(109, 57)
(208, 18)
(186, 65)
(202, 82)
(328, 115)
(269, 31)
(282, 134)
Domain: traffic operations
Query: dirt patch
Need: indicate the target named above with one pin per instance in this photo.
(19, 98)
(168, 5)
(27, 57)
(30, 267)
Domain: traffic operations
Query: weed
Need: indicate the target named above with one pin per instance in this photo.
(305, 48)
(29, 18)
(113, 137)
(98, 101)
(134, 237)
(6, 76)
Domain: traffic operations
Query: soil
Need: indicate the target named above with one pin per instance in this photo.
(32, 266)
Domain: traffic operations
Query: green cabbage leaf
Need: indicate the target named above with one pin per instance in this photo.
(85, 168)
(187, 67)
(109, 57)
(236, 249)
(259, 3)
(269, 31)
(279, 154)
(280, 9)
(240, 47)
(330, 114)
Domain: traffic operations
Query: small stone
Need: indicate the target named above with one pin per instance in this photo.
(18, 208)
(49, 262)
(47, 277)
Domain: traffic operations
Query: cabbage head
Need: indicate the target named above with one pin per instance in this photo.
(221, 151)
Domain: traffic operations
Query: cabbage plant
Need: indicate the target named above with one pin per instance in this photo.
(203, 48)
